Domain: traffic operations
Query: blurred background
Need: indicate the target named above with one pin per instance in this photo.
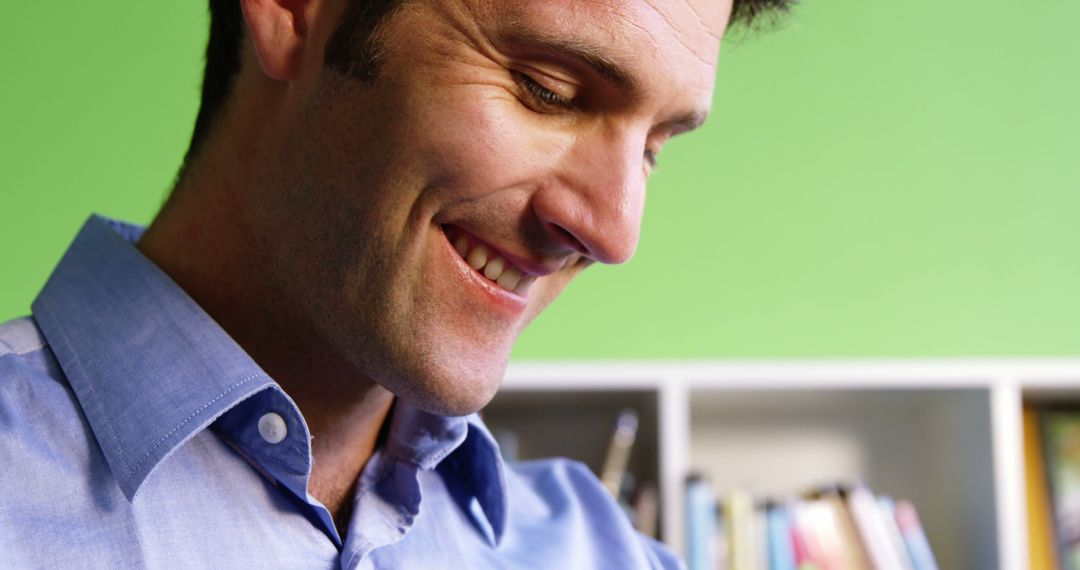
(876, 179)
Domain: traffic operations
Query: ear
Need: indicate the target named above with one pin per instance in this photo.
(279, 31)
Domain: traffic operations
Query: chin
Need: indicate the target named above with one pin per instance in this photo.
(451, 387)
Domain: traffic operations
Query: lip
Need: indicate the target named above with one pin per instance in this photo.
(524, 265)
(506, 302)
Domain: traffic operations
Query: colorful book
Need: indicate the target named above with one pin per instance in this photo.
(760, 538)
(853, 553)
(922, 558)
(738, 516)
(888, 519)
(803, 560)
(1042, 554)
(1061, 439)
(835, 528)
(721, 548)
(815, 524)
(866, 513)
(701, 523)
(781, 549)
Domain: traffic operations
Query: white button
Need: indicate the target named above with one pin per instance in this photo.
(272, 428)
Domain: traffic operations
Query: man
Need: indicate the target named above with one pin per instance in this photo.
(283, 369)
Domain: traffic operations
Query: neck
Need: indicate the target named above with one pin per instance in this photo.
(199, 239)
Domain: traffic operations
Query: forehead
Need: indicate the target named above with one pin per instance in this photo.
(667, 45)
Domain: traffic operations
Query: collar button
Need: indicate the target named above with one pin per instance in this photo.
(272, 428)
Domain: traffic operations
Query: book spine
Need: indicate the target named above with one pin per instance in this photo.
(867, 516)
(808, 531)
(853, 550)
(1042, 554)
(739, 513)
(700, 524)
(888, 519)
(914, 537)
(760, 538)
(781, 549)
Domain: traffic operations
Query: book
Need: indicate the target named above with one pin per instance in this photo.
(1042, 554)
(866, 512)
(803, 560)
(738, 515)
(833, 528)
(852, 552)
(809, 532)
(888, 519)
(721, 548)
(760, 538)
(781, 551)
(1061, 446)
(907, 519)
(701, 521)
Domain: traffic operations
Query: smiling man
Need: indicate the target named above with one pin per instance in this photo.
(283, 369)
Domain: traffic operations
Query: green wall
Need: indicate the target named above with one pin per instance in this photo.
(877, 179)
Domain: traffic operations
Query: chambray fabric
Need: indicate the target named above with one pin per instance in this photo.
(129, 438)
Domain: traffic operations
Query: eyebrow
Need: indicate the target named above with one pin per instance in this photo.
(591, 55)
(685, 123)
(594, 58)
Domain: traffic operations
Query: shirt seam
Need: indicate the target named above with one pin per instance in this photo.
(185, 421)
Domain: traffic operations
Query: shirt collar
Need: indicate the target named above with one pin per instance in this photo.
(151, 369)
(465, 453)
(148, 366)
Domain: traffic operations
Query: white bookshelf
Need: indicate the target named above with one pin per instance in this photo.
(946, 434)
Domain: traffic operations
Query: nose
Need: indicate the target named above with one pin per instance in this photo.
(597, 201)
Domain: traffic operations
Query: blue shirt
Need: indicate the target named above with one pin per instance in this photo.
(134, 432)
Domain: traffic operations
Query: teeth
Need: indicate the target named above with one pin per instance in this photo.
(462, 245)
(523, 286)
(493, 266)
(478, 257)
(509, 278)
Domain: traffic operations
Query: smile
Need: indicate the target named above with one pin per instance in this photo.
(486, 261)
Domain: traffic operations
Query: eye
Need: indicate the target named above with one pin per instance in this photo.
(543, 97)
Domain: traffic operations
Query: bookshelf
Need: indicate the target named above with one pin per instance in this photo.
(946, 434)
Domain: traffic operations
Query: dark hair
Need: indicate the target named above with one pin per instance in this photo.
(749, 12)
(353, 48)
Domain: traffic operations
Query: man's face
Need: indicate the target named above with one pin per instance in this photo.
(421, 221)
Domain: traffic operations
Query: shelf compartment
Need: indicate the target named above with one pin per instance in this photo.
(932, 446)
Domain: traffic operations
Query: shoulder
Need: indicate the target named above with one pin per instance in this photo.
(35, 399)
(25, 358)
(561, 496)
(27, 364)
(46, 449)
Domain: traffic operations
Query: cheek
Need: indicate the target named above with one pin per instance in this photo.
(480, 144)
